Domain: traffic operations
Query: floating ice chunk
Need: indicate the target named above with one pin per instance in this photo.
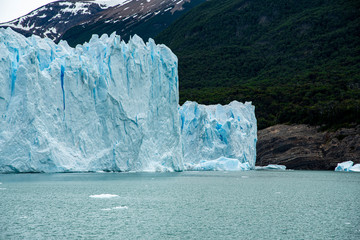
(355, 168)
(104, 196)
(271, 167)
(120, 207)
(2, 188)
(344, 166)
(115, 208)
(220, 164)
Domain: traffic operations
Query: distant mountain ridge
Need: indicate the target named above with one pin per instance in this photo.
(146, 18)
(84, 18)
(53, 19)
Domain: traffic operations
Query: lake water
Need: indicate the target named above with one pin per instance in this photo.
(187, 205)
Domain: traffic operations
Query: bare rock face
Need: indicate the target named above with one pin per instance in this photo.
(304, 147)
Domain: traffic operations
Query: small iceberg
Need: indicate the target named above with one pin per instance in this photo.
(271, 167)
(104, 196)
(347, 166)
(115, 208)
(120, 207)
(355, 168)
(219, 164)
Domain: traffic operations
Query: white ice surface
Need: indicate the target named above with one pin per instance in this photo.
(104, 195)
(110, 106)
(355, 168)
(218, 132)
(220, 164)
(344, 166)
(271, 167)
(111, 3)
(105, 105)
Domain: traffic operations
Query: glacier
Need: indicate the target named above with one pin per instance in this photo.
(108, 105)
(214, 132)
(105, 105)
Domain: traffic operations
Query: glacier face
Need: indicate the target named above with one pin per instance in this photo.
(105, 105)
(213, 135)
(110, 106)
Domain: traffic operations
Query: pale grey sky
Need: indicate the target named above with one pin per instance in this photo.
(11, 9)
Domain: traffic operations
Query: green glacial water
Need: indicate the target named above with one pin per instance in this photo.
(187, 205)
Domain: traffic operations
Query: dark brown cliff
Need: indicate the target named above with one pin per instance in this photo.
(304, 147)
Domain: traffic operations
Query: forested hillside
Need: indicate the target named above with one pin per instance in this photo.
(298, 61)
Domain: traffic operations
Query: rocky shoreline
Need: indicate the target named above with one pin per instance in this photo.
(304, 147)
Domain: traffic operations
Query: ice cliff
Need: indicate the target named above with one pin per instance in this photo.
(104, 105)
(213, 136)
(107, 105)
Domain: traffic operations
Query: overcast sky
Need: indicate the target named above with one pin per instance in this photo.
(11, 9)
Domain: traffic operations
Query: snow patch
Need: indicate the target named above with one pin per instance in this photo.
(77, 8)
(111, 3)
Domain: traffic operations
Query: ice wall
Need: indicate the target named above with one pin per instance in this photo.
(214, 135)
(104, 105)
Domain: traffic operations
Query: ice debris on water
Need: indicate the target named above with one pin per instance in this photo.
(108, 105)
(271, 167)
(347, 166)
(115, 208)
(106, 195)
(120, 207)
(220, 164)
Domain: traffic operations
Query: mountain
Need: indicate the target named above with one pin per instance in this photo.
(76, 21)
(53, 19)
(146, 18)
(298, 61)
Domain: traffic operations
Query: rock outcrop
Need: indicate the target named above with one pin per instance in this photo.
(304, 147)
